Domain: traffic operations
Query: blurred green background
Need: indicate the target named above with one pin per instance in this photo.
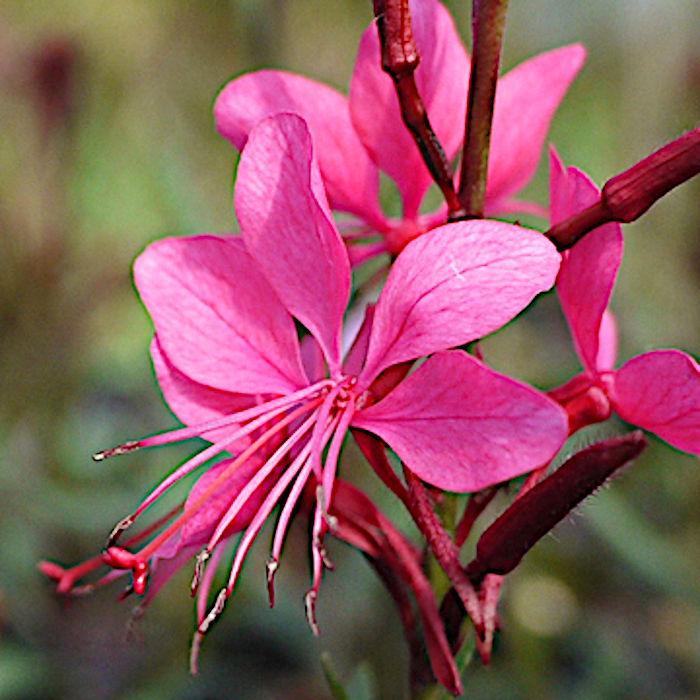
(107, 143)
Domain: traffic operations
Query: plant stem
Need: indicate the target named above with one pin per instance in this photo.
(628, 195)
(488, 25)
(441, 545)
(536, 512)
(474, 508)
(400, 58)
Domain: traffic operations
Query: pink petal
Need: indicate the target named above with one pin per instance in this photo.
(515, 206)
(199, 528)
(355, 357)
(455, 284)
(217, 319)
(289, 230)
(196, 531)
(312, 359)
(192, 402)
(589, 270)
(165, 563)
(350, 177)
(660, 392)
(442, 77)
(462, 427)
(562, 189)
(607, 342)
(526, 99)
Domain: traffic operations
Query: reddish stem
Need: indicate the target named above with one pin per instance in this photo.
(400, 58)
(476, 506)
(451, 610)
(398, 562)
(420, 673)
(536, 510)
(441, 545)
(488, 25)
(375, 454)
(628, 195)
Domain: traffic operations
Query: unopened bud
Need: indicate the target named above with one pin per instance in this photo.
(628, 195)
(528, 519)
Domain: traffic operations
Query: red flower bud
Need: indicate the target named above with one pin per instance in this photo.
(528, 519)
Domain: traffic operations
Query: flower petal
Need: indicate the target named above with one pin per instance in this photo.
(462, 427)
(526, 99)
(589, 270)
(289, 230)
(218, 320)
(196, 531)
(607, 342)
(660, 392)
(357, 352)
(350, 177)
(312, 359)
(200, 527)
(195, 403)
(454, 284)
(442, 77)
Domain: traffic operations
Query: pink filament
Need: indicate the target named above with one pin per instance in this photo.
(287, 510)
(188, 432)
(226, 474)
(201, 457)
(258, 479)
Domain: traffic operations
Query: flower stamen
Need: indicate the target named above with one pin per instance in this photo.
(195, 431)
(137, 562)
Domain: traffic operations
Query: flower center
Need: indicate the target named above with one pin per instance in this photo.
(402, 233)
(345, 392)
(585, 399)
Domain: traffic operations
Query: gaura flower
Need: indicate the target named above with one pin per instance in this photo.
(359, 137)
(658, 391)
(227, 352)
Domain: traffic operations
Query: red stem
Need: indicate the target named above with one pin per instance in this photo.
(628, 195)
(536, 510)
(476, 506)
(441, 545)
(375, 454)
(400, 58)
(488, 25)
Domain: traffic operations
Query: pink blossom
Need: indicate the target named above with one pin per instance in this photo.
(658, 391)
(363, 135)
(231, 366)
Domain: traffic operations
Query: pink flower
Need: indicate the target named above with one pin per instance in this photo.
(231, 365)
(359, 137)
(658, 391)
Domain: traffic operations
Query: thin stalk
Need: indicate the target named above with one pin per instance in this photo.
(400, 58)
(488, 25)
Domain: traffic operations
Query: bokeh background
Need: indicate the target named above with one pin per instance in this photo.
(107, 143)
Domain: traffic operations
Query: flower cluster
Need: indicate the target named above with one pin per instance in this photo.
(255, 351)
